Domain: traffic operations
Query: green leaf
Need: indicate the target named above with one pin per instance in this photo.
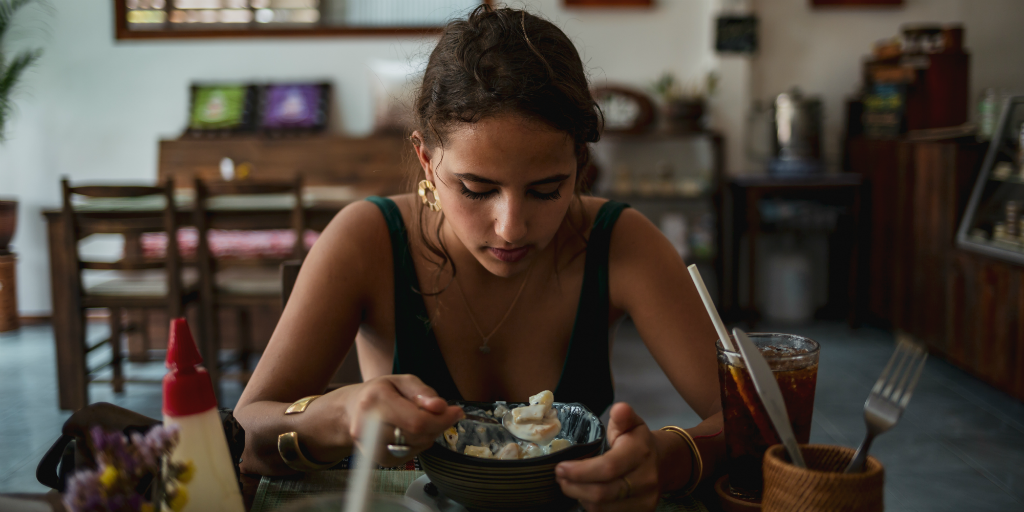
(11, 71)
(8, 8)
(9, 76)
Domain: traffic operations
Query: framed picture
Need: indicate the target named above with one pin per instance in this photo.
(294, 107)
(221, 109)
(736, 33)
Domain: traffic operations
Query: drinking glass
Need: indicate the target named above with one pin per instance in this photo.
(748, 430)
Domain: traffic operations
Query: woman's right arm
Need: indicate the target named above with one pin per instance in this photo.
(350, 261)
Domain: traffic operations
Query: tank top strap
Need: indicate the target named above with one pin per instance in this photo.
(586, 376)
(416, 349)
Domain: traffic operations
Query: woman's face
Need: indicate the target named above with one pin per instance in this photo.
(505, 184)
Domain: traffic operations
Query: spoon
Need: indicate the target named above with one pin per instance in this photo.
(482, 419)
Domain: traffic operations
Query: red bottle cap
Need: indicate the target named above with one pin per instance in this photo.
(187, 387)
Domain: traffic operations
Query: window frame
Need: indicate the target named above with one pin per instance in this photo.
(122, 32)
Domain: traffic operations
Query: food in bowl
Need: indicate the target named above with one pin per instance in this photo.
(534, 428)
(537, 422)
(492, 484)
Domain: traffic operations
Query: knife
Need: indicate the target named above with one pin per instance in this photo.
(771, 395)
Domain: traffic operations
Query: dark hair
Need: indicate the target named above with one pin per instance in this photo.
(499, 62)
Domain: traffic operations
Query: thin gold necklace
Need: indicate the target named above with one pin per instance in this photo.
(484, 348)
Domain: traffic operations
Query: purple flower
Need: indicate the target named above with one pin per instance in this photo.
(99, 438)
(122, 463)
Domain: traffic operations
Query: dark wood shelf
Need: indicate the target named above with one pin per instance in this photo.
(322, 159)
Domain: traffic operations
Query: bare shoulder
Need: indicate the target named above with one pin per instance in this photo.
(639, 256)
(356, 242)
(630, 229)
(359, 223)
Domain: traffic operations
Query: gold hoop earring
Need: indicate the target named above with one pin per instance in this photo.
(424, 186)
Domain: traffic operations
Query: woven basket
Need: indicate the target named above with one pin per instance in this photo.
(8, 294)
(823, 486)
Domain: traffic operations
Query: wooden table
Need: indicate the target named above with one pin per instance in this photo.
(240, 212)
(745, 192)
(267, 494)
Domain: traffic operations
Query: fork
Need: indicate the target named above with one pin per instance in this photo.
(890, 396)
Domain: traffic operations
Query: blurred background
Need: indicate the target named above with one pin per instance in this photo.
(851, 169)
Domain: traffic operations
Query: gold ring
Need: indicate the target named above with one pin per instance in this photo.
(628, 490)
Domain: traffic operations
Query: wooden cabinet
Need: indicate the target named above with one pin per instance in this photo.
(323, 160)
(968, 308)
(985, 324)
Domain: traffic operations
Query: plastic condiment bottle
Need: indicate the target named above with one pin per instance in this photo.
(189, 402)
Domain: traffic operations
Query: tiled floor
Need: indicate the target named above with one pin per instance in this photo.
(959, 446)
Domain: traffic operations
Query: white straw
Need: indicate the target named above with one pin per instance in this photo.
(362, 479)
(710, 306)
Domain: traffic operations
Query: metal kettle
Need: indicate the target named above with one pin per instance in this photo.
(786, 136)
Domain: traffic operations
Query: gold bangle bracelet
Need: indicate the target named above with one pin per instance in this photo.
(696, 462)
(288, 443)
(300, 405)
(291, 454)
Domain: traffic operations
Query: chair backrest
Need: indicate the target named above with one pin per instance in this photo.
(245, 215)
(131, 223)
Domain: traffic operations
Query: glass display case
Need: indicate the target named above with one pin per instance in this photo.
(993, 223)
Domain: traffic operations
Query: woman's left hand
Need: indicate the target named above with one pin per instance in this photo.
(623, 478)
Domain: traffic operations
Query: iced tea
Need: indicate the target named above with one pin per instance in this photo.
(748, 429)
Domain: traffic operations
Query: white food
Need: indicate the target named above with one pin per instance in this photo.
(532, 450)
(545, 398)
(509, 452)
(558, 444)
(537, 422)
(483, 452)
(530, 413)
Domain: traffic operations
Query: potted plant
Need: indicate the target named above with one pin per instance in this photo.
(683, 105)
(12, 65)
(11, 68)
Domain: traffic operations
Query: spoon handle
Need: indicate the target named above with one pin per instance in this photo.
(482, 419)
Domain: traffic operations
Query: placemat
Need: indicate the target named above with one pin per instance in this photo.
(274, 493)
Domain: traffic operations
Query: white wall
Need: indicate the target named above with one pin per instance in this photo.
(94, 108)
(821, 50)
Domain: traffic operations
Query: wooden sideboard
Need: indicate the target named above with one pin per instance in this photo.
(322, 159)
(968, 308)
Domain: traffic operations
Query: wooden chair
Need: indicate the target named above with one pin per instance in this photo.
(348, 372)
(131, 282)
(239, 283)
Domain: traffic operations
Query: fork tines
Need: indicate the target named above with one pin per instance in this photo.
(908, 359)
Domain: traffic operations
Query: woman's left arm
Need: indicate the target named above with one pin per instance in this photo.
(649, 281)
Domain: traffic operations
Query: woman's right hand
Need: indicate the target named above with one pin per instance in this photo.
(402, 401)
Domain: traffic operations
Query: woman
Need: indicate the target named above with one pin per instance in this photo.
(502, 282)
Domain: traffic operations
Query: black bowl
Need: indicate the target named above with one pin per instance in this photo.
(513, 485)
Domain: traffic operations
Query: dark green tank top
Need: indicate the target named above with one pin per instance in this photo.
(586, 374)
